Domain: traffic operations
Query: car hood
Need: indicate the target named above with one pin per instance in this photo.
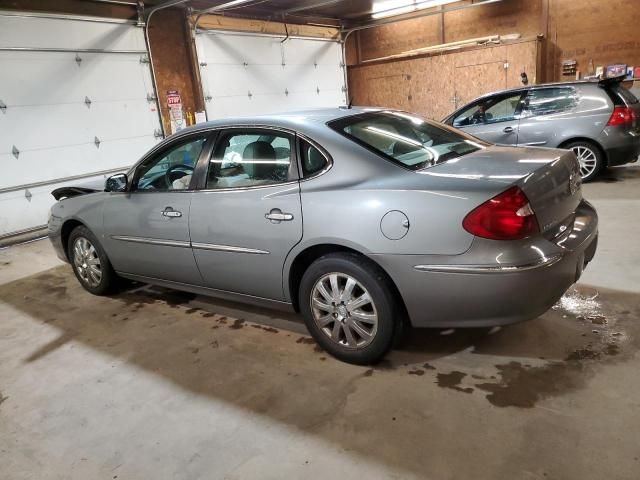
(82, 188)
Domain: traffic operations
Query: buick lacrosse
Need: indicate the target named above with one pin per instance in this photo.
(360, 219)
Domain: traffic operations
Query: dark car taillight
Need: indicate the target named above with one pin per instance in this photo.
(507, 216)
(621, 116)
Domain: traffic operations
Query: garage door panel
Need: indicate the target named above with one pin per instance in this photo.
(32, 207)
(72, 160)
(220, 49)
(240, 80)
(311, 77)
(131, 119)
(47, 164)
(38, 127)
(126, 77)
(310, 52)
(72, 34)
(58, 126)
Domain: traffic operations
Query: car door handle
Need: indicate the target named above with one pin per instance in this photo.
(171, 213)
(508, 130)
(276, 215)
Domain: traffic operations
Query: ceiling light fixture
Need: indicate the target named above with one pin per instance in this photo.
(390, 8)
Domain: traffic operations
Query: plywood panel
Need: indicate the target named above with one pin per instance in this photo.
(431, 85)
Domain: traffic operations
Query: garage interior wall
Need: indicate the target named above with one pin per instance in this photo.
(580, 30)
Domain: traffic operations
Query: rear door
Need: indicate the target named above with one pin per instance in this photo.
(247, 215)
(494, 118)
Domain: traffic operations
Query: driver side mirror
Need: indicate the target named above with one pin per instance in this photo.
(116, 183)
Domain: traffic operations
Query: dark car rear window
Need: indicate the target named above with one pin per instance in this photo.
(621, 95)
(406, 139)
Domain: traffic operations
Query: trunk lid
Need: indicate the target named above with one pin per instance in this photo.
(550, 178)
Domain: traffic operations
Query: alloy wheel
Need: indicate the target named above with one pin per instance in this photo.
(344, 310)
(87, 262)
(587, 159)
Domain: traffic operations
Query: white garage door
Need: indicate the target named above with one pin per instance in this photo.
(251, 74)
(77, 102)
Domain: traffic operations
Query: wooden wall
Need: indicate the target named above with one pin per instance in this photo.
(606, 31)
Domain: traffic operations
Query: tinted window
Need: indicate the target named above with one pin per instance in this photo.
(311, 158)
(545, 101)
(245, 159)
(406, 139)
(172, 169)
(499, 108)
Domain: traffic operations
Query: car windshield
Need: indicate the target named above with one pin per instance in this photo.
(406, 139)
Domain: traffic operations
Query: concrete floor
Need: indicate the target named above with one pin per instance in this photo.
(152, 384)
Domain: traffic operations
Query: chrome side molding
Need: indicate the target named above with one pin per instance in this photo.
(152, 241)
(228, 248)
(543, 262)
(185, 244)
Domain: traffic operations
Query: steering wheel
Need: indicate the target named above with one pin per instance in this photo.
(185, 169)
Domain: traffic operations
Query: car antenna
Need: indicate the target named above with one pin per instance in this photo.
(350, 103)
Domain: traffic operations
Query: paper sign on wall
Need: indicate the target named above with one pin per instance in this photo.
(176, 114)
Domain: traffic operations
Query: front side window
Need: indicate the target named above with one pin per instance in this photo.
(406, 139)
(172, 169)
(499, 108)
(250, 158)
(546, 101)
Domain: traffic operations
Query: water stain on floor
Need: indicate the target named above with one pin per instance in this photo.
(452, 380)
(524, 385)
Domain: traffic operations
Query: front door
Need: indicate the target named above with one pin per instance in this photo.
(248, 217)
(494, 119)
(147, 228)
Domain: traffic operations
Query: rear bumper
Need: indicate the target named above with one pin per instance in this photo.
(459, 293)
(620, 145)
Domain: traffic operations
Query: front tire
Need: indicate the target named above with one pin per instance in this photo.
(90, 262)
(348, 307)
(590, 157)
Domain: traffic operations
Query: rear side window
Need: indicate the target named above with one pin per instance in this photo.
(406, 139)
(313, 161)
(546, 101)
(621, 95)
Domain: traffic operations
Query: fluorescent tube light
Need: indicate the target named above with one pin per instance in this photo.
(390, 8)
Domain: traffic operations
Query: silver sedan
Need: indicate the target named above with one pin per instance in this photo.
(362, 220)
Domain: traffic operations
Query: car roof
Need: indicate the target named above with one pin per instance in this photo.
(537, 87)
(302, 120)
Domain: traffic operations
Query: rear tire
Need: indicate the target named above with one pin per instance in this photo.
(349, 308)
(90, 262)
(589, 156)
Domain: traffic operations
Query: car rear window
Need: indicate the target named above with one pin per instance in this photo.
(406, 139)
(621, 95)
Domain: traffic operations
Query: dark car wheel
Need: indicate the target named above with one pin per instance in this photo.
(590, 158)
(90, 263)
(348, 307)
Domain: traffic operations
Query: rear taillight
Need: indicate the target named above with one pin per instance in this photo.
(507, 216)
(621, 116)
